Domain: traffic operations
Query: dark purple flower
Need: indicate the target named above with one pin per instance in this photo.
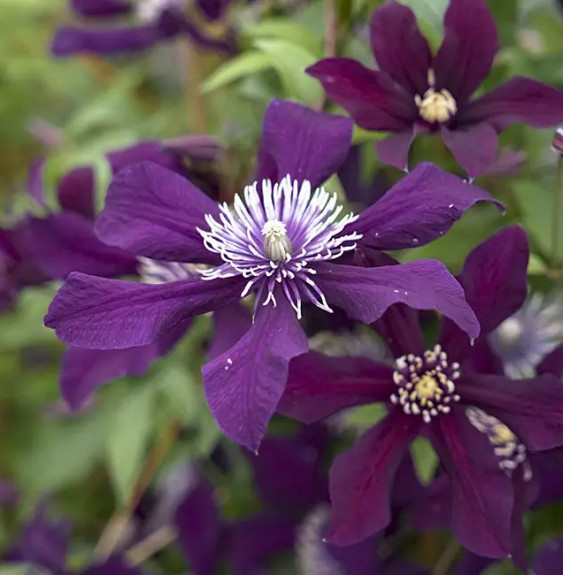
(415, 92)
(481, 425)
(157, 20)
(280, 241)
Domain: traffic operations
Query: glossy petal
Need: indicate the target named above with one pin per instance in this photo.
(549, 558)
(319, 385)
(373, 99)
(83, 371)
(482, 495)
(231, 323)
(520, 100)
(552, 363)
(66, 242)
(244, 384)
(366, 293)
(307, 145)
(469, 47)
(199, 529)
(361, 479)
(531, 408)
(420, 208)
(494, 278)
(399, 48)
(154, 212)
(102, 313)
(100, 8)
(394, 150)
(474, 147)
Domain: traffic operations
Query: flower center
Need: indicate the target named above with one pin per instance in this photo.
(435, 106)
(425, 383)
(277, 246)
(510, 451)
(148, 11)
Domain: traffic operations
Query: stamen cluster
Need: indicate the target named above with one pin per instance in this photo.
(435, 105)
(426, 383)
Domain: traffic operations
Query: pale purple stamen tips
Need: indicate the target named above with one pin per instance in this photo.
(274, 238)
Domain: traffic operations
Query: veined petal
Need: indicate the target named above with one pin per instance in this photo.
(100, 313)
(231, 323)
(399, 48)
(154, 212)
(305, 144)
(520, 100)
(373, 99)
(366, 293)
(531, 408)
(361, 479)
(420, 208)
(319, 385)
(494, 278)
(244, 384)
(482, 495)
(469, 47)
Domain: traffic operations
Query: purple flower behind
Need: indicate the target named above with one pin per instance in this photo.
(415, 92)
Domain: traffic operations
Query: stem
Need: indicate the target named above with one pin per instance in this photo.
(197, 111)
(152, 544)
(446, 560)
(331, 38)
(555, 216)
(118, 524)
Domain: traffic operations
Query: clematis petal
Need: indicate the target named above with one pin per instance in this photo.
(552, 363)
(66, 242)
(420, 208)
(549, 558)
(76, 190)
(469, 47)
(199, 529)
(434, 509)
(472, 564)
(520, 100)
(400, 328)
(399, 48)
(244, 384)
(100, 8)
(474, 147)
(373, 99)
(361, 479)
(83, 371)
(99, 313)
(291, 137)
(494, 278)
(112, 566)
(319, 385)
(231, 323)
(394, 150)
(400, 567)
(482, 495)
(154, 212)
(531, 408)
(366, 293)
(547, 469)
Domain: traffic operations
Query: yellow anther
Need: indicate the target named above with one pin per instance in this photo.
(426, 388)
(502, 434)
(436, 106)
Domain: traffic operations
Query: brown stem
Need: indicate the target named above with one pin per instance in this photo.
(152, 544)
(331, 38)
(447, 559)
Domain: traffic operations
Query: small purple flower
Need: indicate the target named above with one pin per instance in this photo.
(482, 426)
(157, 20)
(415, 92)
(282, 242)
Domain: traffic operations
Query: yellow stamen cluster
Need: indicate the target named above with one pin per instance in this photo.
(435, 106)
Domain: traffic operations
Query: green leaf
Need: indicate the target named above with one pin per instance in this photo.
(425, 459)
(17, 569)
(290, 62)
(235, 69)
(128, 438)
(365, 416)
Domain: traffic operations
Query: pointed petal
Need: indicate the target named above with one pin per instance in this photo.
(482, 495)
(434, 509)
(399, 48)
(66, 242)
(361, 479)
(494, 278)
(531, 408)
(319, 385)
(154, 212)
(366, 293)
(373, 99)
(420, 208)
(473, 146)
(552, 363)
(400, 328)
(244, 384)
(305, 144)
(549, 558)
(518, 101)
(469, 47)
(199, 529)
(394, 150)
(100, 313)
(231, 323)
(76, 190)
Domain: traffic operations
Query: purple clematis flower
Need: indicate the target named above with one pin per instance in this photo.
(481, 425)
(283, 241)
(415, 92)
(158, 20)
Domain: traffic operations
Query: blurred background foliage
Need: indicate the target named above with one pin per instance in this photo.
(72, 111)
